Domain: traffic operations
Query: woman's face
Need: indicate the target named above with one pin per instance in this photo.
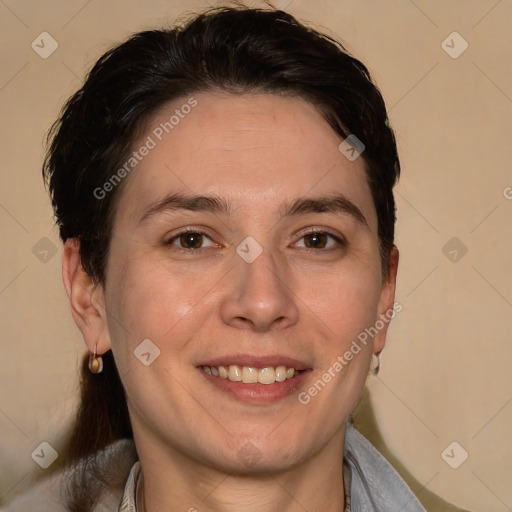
(264, 278)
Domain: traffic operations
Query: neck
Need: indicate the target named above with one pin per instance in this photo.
(174, 483)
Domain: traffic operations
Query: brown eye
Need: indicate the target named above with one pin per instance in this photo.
(190, 240)
(315, 240)
(319, 240)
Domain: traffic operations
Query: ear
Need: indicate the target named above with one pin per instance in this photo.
(86, 298)
(386, 307)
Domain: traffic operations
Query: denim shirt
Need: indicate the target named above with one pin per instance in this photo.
(375, 486)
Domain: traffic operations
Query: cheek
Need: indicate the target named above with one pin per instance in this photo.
(343, 302)
(148, 302)
(344, 306)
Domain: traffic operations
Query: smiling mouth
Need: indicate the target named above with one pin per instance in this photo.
(252, 375)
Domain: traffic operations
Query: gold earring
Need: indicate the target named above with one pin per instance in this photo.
(95, 362)
(376, 366)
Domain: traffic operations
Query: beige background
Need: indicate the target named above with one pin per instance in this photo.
(446, 370)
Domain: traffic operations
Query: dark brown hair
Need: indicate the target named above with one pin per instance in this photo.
(234, 50)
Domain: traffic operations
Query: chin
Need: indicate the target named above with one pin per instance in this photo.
(252, 456)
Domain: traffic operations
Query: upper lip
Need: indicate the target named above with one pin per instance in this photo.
(256, 361)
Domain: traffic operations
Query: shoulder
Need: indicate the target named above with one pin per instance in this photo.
(375, 483)
(375, 479)
(49, 495)
(44, 496)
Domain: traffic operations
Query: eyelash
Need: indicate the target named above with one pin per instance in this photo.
(340, 240)
(170, 241)
(321, 231)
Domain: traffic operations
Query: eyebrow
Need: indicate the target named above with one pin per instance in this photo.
(173, 202)
(336, 204)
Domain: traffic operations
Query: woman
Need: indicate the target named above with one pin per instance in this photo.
(224, 194)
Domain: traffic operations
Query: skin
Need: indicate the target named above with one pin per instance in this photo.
(257, 152)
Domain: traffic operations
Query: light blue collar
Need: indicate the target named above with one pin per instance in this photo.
(375, 486)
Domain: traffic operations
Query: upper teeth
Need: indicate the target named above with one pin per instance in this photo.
(251, 375)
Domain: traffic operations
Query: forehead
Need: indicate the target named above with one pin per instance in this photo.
(253, 149)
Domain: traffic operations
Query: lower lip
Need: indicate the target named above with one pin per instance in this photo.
(258, 393)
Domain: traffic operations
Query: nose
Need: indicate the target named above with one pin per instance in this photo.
(260, 295)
